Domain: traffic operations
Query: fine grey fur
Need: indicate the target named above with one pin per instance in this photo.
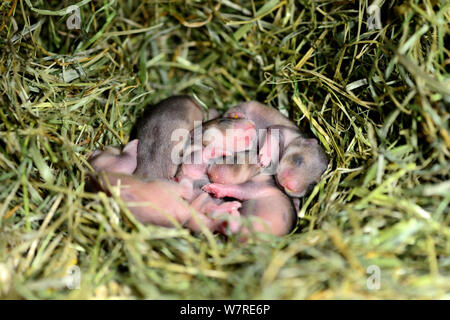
(154, 132)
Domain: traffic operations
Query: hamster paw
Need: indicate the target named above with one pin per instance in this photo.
(263, 160)
(230, 206)
(216, 189)
(233, 225)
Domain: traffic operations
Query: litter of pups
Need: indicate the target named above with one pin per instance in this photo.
(237, 173)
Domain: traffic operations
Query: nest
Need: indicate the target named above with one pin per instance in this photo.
(375, 92)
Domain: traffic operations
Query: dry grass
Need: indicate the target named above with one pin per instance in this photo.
(377, 100)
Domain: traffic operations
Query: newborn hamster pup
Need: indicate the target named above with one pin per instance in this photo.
(216, 138)
(262, 199)
(302, 162)
(163, 202)
(233, 171)
(301, 167)
(113, 160)
(154, 132)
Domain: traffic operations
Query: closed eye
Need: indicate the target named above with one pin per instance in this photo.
(311, 187)
(298, 160)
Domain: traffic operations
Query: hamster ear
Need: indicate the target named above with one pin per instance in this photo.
(93, 154)
(131, 147)
(112, 150)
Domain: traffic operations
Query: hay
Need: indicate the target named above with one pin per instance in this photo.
(377, 100)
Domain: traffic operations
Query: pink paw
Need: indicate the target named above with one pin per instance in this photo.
(233, 223)
(263, 160)
(216, 189)
(230, 206)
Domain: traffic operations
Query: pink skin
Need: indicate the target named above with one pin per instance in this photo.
(226, 136)
(231, 173)
(234, 170)
(272, 146)
(214, 213)
(113, 160)
(298, 162)
(302, 162)
(276, 140)
(262, 115)
(220, 137)
(163, 202)
(260, 199)
(166, 196)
